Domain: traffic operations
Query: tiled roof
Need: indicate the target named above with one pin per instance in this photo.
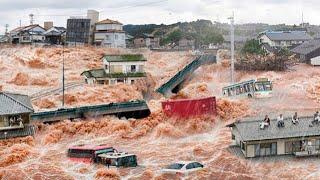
(288, 35)
(14, 104)
(307, 47)
(109, 21)
(25, 28)
(250, 130)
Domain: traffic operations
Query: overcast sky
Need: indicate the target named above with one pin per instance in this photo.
(160, 11)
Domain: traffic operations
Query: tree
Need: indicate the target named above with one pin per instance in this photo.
(174, 36)
(252, 47)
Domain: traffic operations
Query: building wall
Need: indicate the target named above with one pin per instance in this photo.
(265, 39)
(112, 40)
(124, 67)
(78, 31)
(139, 42)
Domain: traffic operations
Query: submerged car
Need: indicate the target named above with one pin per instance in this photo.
(183, 168)
(88, 153)
(118, 159)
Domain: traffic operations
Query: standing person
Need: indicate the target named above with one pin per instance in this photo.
(108, 162)
(317, 116)
(280, 121)
(295, 119)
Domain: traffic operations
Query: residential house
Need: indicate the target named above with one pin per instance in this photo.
(283, 39)
(27, 34)
(250, 140)
(109, 33)
(4, 39)
(118, 69)
(78, 31)
(15, 111)
(186, 43)
(55, 35)
(308, 50)
(146, 40)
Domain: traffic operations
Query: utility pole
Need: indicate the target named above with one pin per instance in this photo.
(62, 76)
(232, 47)
(7, 26)
(31, 23)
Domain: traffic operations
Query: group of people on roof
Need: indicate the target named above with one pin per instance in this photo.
(294, 119)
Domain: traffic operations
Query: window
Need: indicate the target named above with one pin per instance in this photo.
(266, 149)
(175, 166)
(317, 144)
(107, 37)
(242, 146)
(116, 37)
(190, 166)
(197, 165)
(233, 137)
(133, 68)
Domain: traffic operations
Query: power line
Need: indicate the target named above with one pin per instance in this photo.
(117, 8)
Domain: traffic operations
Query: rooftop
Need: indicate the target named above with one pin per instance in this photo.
(14, 104)
(307, 47)
(89, 146)
(287, 35)
(250, 130)
(109, 21)
(101, 73)
(125, 58)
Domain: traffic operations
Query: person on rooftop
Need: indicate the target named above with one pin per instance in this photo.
(265, 122)
(295, 118)
(280, 121)
(316, 118)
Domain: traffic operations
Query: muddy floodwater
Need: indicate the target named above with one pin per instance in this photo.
(156, 140)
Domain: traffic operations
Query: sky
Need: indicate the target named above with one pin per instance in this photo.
(160, 11)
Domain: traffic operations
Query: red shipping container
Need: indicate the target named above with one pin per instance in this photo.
(190, 107)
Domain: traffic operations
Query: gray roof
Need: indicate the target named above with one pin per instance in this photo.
(250, 130)
(14, 104)
(307, 47)
(288, 35)
(125, 58)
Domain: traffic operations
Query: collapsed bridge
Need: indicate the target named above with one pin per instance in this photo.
(174, 84)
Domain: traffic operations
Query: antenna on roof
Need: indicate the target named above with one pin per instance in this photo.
(31, 18)
(232, 46)
(302, 24)
(6, 31)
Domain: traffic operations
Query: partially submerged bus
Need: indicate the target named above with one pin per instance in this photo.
(260, 88)
(88, 153)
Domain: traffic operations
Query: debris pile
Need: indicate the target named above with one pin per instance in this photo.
(264, 63)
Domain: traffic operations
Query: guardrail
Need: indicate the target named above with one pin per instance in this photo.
(133, 109)
(28, 130)
(51, 91)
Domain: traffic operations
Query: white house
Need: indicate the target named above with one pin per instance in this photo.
(109, 33)
(283, 39)
(28, 34)
(118, 69)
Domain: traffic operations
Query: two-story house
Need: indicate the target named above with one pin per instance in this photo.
(283, 39)
(28, 34)
(118, 69)
(146, 40)
(109, 33)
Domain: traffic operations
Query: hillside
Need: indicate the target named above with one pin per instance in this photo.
(202, 31)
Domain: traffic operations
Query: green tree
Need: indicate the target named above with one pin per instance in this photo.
(174, 36)
(252, 47)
